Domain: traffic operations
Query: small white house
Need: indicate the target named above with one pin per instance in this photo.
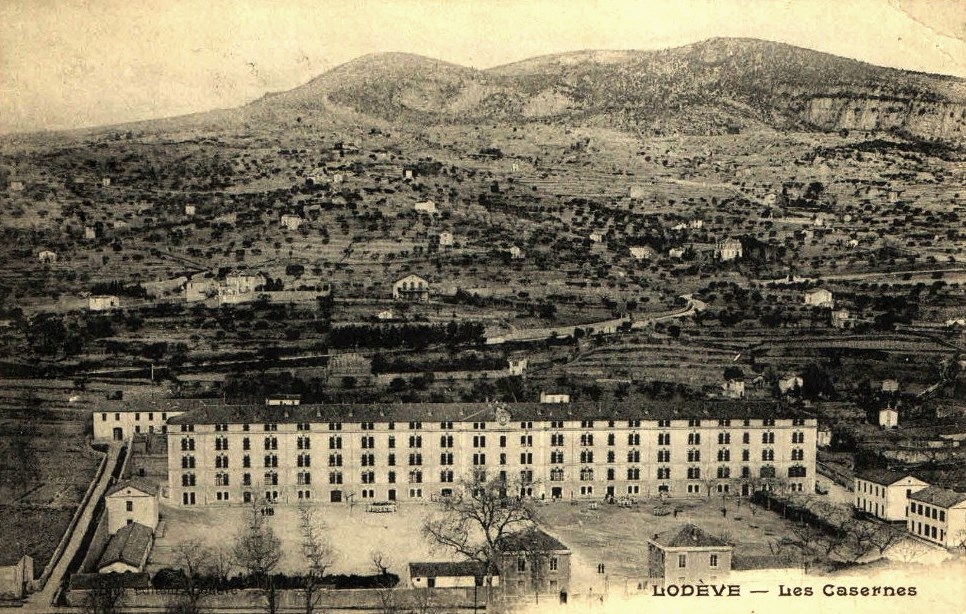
(131, 501)
(385, 315)
(890, 385)
(103, 302)
(888, 418)
(733, 388)
(189, 209)
(15, 186)
(426, 206)
(464, 574)
(697, 224)
(90, 232)
(819, 297)
(291, 222)
(518, 366)
(642, 252)
(596, 236)
(730, 249)
(841, 318)
(516, 253)
(676, 252)
(547, 397)
(47, 257)
(106, 182)
(445, 239)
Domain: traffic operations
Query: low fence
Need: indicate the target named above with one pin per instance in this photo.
(293, 600)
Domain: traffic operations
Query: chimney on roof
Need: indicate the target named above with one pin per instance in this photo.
(655, 536)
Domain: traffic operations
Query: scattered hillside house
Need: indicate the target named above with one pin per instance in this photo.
(516, 253)
(938, 515)
(676, 252)
(551, 397)
(461, 574)
(106, 182)
(733, 388)
(534, 562)
(47, 257)
(200, 290)
(128, 550)
(885, 494)
(445, 239)
(790, 383)
(411, 288)
(16, 575)
(103, 302)
(385, 315)
(697, 224)
(597, 236)
(888, 417)
(841, 318)
(426, 206)
(90, 232)
(642, 252)
(240, 288)
(407, 173)
(291, 221)
(890, 385)
(770, 199)
(189, 209)
(131, 501)
(819, 297)
(15, 186)
(729, 249)
(687, 555)
(823, 437)
(517, 366)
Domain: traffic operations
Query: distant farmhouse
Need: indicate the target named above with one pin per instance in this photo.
(819, 297)
(291, 222)
(426, 206)
(47, 257)
(411, 288)
(729, 249)
(103, 302)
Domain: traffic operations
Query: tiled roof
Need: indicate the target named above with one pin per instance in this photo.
(449, 569)
(883, 477)
(688, 536)
(533, 540)
(940, 497)
(135, 483)
(129, 545)
(215, 412)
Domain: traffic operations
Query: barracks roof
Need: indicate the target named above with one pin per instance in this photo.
(216, 412)
(940, 497)
(883, 477)
(136, 483)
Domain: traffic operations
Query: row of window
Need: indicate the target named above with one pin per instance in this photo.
(137, 416)
(477, 426)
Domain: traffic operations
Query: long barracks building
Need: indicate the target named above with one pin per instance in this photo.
(234, 454)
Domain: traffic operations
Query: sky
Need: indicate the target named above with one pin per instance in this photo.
(78, 63)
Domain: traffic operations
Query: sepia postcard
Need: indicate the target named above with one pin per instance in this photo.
(439, 307)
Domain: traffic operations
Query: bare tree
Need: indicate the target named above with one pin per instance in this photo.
(221, 563)
(193, 559)
(886, 536)
(106, 596)
(860, 538)
(318, 553)
(381, 562)
(476, 518)
(258, 551)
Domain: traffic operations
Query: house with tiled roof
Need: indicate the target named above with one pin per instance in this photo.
(687, 555)
(938, 515)
(533, 561)
(884, 493)
(129, 502)
(127, 551)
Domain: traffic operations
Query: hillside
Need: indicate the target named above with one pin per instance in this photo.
(713, 87)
